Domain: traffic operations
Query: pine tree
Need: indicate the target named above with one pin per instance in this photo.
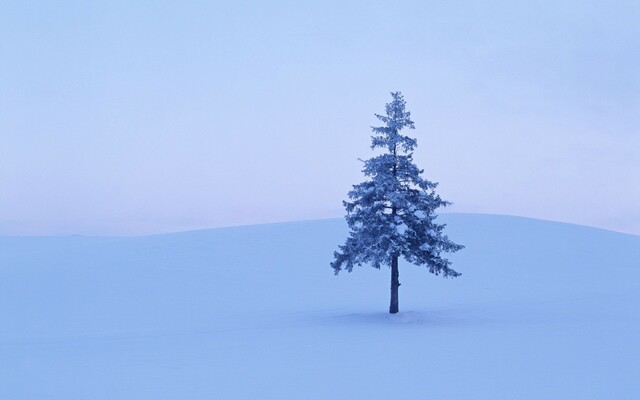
(392, 214)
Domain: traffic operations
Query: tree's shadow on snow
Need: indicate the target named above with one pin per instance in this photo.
(454, 317)
(476, 315)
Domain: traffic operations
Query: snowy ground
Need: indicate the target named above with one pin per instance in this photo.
(543, 310)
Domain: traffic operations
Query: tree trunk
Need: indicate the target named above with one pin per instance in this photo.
(395, 283)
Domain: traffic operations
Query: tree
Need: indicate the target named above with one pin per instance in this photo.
(392, 214)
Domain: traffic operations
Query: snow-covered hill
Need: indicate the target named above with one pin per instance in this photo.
(543, 310)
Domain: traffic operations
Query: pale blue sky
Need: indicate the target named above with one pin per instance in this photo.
(125, 117)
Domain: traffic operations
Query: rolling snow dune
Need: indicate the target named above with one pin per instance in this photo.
(543, 310)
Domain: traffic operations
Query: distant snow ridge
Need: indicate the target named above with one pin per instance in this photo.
(545, 310)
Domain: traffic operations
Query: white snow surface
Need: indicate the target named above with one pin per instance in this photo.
(543, 310)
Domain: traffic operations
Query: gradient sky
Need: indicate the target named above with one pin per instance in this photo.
(126, 118)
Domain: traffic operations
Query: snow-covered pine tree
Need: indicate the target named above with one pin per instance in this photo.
(392, 214)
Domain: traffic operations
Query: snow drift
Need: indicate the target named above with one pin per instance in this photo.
(542, 310)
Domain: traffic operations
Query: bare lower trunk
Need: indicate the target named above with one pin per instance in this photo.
(395, 283)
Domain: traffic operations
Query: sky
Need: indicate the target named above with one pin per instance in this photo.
(131, 118)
